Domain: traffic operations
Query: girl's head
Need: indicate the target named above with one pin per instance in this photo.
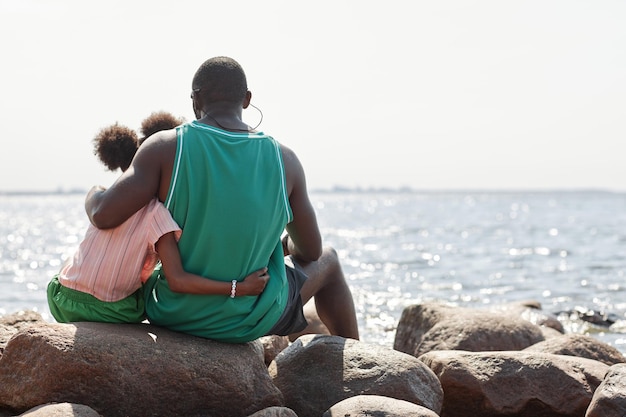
(158, 121)
(116, 145)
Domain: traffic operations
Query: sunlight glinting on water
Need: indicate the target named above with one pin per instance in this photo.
(399, 249)
(469, 260)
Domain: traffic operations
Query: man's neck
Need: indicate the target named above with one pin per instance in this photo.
(224, 120)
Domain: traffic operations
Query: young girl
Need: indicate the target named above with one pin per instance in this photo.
(102, 281)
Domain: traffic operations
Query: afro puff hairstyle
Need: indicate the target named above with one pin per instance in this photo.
(158, 121)
(116, 145)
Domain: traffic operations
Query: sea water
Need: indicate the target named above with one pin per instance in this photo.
(564, 249)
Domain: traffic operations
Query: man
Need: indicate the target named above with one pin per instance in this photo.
(233, 191)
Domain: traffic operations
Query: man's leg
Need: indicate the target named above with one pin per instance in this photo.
(333, 299)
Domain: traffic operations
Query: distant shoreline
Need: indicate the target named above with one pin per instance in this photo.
(367, 190)
(41, 192)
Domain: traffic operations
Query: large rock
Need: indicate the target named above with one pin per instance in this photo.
(272, 346)
(61, 410)
(579, 345)
(520, 384)
(317, 371)
(275, 412)
(133, 370)
(377, 406)
(435, 326)
(531, 311)
(13, 323)
(609, 400)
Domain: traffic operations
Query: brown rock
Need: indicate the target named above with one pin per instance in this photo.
(272, 346)
(532, 311)
(434, 326)
(61, 410)
(275, 412)
(579, 345)
(20, 319)
(378, 406)
(13, 323)
(609, 400)
(317, 371)
(133, 370)
(549, 332)
(520, 384)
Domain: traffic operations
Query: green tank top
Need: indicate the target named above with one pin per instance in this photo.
(228, 195)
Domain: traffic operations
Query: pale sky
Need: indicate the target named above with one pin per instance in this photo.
(432, 95)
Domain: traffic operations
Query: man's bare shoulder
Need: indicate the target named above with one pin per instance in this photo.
(289, 156)
(164, 136)
(160, 141)
(294, 172)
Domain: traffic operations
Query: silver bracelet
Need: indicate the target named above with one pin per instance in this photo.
(233, 288)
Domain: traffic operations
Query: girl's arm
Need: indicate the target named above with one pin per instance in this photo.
(181, 281)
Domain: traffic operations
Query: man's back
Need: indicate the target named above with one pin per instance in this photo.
(227, 192)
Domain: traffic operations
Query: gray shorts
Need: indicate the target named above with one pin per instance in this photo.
(292, 320)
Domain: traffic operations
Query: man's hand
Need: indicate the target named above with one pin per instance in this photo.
(91, 201)
(285, 241)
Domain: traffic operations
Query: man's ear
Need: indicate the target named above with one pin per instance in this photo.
(196, 103)
(246, 100)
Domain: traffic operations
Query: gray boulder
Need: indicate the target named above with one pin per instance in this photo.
(133, 370)
(317, 371)
(61, 410)
(435, 326)
(275, 412)
(609, 400)
(520, 384)
(579, 345)
(13, 323)
(272, 346)
(532, 311)
(377, 406)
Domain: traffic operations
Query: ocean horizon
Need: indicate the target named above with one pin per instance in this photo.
(358, 189)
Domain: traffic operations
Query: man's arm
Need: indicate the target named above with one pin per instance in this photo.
(304, 240)
(181, 281)
(107, 208)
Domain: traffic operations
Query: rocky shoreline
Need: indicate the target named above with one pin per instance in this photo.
(446, 362)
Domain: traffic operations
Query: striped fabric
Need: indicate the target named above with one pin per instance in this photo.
(111, 264)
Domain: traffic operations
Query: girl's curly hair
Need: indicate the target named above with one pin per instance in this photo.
(158, 121)
(116, 146)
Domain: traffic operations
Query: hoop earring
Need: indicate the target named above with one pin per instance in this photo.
(260, 112)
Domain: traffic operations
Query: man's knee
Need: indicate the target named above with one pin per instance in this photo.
(330, 261)
(330, 255)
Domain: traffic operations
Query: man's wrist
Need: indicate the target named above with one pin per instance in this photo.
(233, 288)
